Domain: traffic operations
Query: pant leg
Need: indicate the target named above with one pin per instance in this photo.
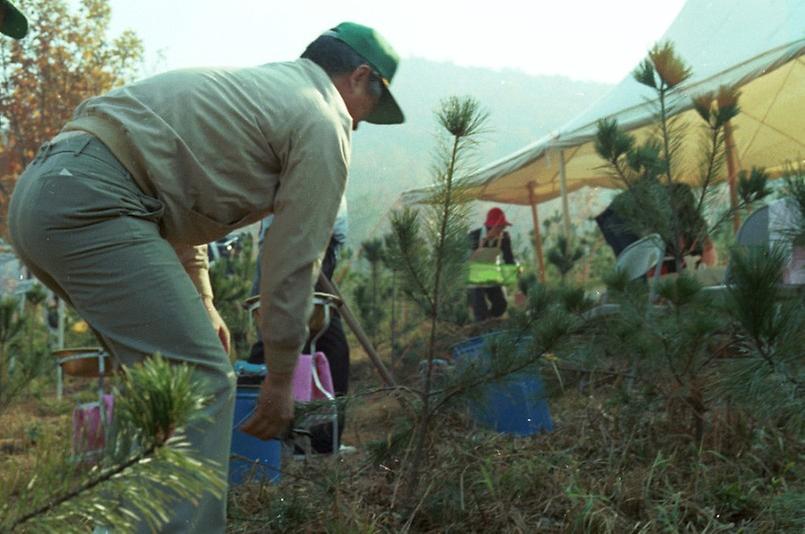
(497, 299)
(79, 221)
(256, 351)
(477, 299)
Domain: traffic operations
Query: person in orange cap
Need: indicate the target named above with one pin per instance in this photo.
(490, 247)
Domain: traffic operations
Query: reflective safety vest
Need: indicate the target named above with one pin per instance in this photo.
(486, 267)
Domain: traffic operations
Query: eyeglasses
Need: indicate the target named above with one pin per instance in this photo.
(382, 83)
(380, 78)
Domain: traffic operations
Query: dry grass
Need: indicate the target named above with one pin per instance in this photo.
(621, 459)
(616, 462)
(37, 418)
(611, 465)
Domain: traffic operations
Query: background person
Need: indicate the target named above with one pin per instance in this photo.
(488, 300)
(692, 229)
(115, 212)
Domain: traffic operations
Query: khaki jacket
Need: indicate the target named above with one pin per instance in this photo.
(222, 148)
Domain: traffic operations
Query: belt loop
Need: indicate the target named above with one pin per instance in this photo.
(46, 146)
(44, 150)
(39, 154)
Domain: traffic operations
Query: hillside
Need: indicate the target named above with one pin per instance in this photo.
(390, 159)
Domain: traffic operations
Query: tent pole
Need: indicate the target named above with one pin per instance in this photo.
(563, 190)
(537, 234)
(732, 175)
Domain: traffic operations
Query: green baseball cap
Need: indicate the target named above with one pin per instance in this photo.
(12, 22)
(379, 54)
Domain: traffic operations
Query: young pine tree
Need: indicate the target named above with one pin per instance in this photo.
(371, 293)
(655, 177)
(147, 463)
(430, 247)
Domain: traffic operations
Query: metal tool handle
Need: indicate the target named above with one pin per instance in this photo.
(353, 323)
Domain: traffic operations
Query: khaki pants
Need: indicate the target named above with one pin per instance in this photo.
(83, 227)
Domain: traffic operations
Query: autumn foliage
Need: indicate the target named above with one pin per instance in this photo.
(66, 57)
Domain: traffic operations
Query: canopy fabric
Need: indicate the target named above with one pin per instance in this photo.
(758, 45)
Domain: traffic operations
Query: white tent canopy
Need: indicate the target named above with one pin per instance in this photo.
(757, 45)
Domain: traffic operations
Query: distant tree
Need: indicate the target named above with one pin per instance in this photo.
(231, 277)
(564, 256)
(563, 251)
(11, 327)
(372, 291)
(66, 57)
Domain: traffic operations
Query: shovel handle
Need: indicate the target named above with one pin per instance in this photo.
(356, 328)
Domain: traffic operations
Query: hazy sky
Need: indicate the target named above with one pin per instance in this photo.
(598, 40)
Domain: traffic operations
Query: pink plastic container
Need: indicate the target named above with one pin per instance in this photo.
(304, 384)
(89, 428)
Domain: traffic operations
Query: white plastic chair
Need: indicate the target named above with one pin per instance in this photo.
(768, 226)
(639, 257)
(636, 260)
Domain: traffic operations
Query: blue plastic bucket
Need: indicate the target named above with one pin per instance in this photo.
(252, 459)
(514, 405)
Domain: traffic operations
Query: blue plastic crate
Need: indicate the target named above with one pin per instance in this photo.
(514, 405)
(252, 459)
(473, 347)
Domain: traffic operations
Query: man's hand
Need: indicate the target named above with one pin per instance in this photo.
(218, 324)
(273, 411)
